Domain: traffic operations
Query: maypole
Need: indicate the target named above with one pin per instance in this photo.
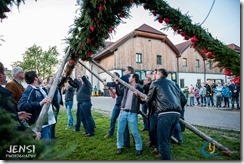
(45, 108)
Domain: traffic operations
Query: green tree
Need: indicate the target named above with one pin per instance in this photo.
(43, 62)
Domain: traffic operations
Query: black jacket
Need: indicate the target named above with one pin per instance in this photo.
(30, 102)
(84, 90)
(234, 87)
(69, 94)
(146, 88)
(8, 103)
(166, 94)
(209, 90)
(135, 100)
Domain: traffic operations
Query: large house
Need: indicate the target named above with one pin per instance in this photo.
(146, 48)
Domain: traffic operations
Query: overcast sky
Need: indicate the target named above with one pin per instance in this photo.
(46, 22)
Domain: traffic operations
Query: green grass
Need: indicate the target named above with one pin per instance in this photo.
(79, 147)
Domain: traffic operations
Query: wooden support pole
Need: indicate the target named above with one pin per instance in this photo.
(188, 126)
(207, 138)
(120, 80)
(45, 108)
(88, 69)
(123, 83)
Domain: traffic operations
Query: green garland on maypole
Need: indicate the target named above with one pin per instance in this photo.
(99, 18)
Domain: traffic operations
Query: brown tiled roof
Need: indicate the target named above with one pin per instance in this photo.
(143, 28)
(184, 45)
(146, 28)
(234, 47)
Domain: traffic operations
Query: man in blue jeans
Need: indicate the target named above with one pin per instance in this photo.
(69, 99)
(83, 114)
(116, 110)
(130, 107)
(167, 97)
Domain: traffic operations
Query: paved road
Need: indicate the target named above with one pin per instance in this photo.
(210, 117)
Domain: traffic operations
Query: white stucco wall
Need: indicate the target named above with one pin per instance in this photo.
(191, 78)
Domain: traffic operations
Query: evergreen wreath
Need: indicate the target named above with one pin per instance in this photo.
(99, 18)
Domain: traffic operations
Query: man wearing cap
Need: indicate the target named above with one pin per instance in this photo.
(15, 85)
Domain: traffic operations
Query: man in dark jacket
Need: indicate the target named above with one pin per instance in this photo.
(146, 85)
(235, 91)
(32, 101)
(69, 99)
(210, 93)
(129, 109)
(167, 98)
(83, 114)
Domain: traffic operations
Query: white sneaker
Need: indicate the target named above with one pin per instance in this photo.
(68, 127)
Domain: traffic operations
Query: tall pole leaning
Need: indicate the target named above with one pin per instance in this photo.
(45, 108)
(188, 126)
(140, 112)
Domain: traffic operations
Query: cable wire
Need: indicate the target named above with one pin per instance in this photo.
(208, 12)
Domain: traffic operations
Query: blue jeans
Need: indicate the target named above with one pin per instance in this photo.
(132, 120)
(177, 133)
(210, 99)
(235, 99)
(203, 100)
(165, 128)
(115, 115)
(79, 118)
(145, 121)
(88, 120)
(69, 105)
(46, 134)
(218, 101)
(191, 101)
(153, 130)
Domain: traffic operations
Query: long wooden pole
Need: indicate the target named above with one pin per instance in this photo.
(189, 126)
(121, 81)
(140, 112)
(45, 108)
(88, 69)
(219, 146)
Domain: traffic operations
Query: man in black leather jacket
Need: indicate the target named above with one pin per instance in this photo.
(167, 99)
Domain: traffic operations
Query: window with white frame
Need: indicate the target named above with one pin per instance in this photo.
(184, 62)
(138, 58)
